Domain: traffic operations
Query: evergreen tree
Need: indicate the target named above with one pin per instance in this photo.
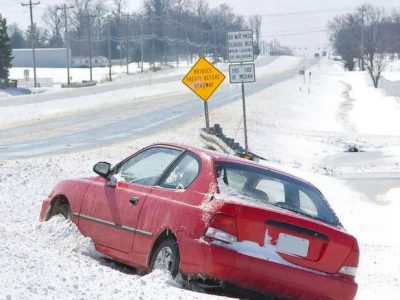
(5, 49)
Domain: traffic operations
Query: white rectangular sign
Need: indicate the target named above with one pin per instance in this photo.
(240, 46)
(242, 73)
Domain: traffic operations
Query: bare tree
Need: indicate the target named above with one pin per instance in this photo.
(376, 66)
(53, 20)
(100, 11)
(373, 42)
(118, 11)
(16, 35)
(255, 25)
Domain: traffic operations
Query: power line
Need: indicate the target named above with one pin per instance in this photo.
(293, 33)
(312, 12)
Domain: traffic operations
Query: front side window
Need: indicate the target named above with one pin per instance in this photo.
(147, 167)
(260, 186)
(183, 174)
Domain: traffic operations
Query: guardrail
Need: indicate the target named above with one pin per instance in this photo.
(215, 139)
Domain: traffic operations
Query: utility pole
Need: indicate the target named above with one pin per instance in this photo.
(109, 48)
(64, 8)
(90, 44)
(362, 39)
(30, 4)
(141, 43)
(127, 43)
(90, 53)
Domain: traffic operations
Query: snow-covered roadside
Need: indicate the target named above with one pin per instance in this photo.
(291, 127)
(373, 111)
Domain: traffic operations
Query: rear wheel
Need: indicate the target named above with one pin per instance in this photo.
(166, 257)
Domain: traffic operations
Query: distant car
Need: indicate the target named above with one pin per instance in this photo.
(212, 216)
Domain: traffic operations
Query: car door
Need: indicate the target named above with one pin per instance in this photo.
(164, 207)
(111, 208)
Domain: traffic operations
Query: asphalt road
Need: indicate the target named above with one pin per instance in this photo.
(121, 122)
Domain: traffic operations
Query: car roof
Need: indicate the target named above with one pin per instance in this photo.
(223, 157)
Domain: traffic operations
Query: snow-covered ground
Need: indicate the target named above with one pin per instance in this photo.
(303, 128)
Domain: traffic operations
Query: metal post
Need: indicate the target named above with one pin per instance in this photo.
(109, 48)
(127, 43)
(246, 146)
(206, 115)
(30, 4)
(141, 43)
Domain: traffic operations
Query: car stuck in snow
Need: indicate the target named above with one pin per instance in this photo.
(208, 215)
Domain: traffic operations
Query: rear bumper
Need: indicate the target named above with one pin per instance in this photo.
(44, 210)
(199, 257)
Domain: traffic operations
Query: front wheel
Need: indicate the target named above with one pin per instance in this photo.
(166, 257)
(59, 207)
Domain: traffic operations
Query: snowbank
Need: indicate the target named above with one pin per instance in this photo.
(373, 111)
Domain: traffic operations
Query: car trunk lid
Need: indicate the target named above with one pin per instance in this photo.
(296, 239)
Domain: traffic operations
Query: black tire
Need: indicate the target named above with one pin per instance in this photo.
(166, 257)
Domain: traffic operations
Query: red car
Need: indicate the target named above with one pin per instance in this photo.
(213, 216)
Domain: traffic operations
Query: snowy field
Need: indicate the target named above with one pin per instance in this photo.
(100, 74)
(303, 128)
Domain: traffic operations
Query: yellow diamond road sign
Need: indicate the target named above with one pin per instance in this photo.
(203, 79)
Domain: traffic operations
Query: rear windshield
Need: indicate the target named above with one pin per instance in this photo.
(259, 186)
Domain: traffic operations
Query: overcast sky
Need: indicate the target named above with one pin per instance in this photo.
(294, 22)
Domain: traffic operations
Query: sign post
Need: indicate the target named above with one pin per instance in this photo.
(203, 79)
(240, 50)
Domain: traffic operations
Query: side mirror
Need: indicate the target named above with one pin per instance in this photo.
(102, 168)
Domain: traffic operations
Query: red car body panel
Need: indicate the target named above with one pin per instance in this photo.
(128, 232)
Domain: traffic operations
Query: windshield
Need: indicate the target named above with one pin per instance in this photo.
(261, 187)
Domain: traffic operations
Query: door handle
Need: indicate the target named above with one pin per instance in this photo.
(134, 201)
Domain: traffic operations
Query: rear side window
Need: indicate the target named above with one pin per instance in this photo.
(273, 188)
(147, 167)
(259, 186)
(183, 174)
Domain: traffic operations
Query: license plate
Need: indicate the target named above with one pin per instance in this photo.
(292, 245)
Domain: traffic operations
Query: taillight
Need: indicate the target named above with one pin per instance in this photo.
(222, 227)
(350, 265)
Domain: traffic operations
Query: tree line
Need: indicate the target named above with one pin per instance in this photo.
(164, 29)
(368, 36)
